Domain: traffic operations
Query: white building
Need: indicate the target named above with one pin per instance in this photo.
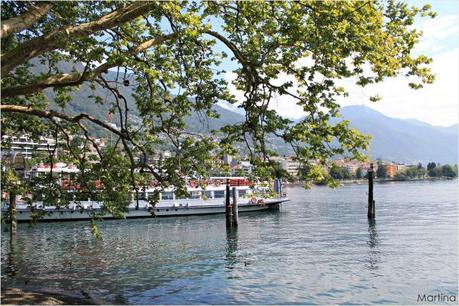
(58, 168)
(25, 146)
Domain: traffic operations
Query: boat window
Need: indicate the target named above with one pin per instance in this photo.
(182, 196)
(242, 193)
(195, 195)
(140, 196)
(207, 194)
(167, 196)
(151, 195)
(219, 194)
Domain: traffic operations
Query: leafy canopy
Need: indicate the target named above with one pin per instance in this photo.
(172, 55)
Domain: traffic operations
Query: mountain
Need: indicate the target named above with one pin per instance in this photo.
(400, 140)
(198, 122)
(392, 139)
(83, 103)
(452, 129)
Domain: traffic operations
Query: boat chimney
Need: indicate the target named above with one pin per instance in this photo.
(278, 186)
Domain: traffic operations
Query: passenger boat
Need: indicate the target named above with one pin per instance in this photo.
(203, 200)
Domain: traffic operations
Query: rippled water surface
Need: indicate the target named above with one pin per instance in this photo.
(320, 248)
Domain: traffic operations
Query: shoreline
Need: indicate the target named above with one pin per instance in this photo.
(46, 296)
(376, 180)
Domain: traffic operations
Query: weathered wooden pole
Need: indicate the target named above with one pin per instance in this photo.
(371, 202)
(234, 209)
(228, 210)
(14, 222)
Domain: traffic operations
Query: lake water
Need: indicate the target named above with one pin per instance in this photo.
(320, 248)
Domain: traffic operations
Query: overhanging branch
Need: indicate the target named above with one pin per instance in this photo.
(60, 37)
(23, 21)
(51, 114)
(75, 79)
(248, 67)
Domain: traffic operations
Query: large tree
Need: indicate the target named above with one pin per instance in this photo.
(172, 55)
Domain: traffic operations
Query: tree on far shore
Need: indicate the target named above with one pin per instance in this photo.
(381, 172)
(448, 171)
(430, 168)
(359, 173)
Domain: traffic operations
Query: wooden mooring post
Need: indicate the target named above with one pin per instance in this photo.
(371, 202)
(228, 209)
(231, 209)
(234, 208)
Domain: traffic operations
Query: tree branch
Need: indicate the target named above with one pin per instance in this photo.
(75, 79)
(58, 80)
(59, 38)
(237, 53)
(51, 114)
(23, 21)
(154, 42)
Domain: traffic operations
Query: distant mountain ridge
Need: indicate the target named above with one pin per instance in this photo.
(400, 140)
(408, 141)
(393, 139)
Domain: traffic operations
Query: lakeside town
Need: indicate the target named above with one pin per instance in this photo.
(24, 148)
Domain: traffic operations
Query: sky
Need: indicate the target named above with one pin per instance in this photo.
(438, 103)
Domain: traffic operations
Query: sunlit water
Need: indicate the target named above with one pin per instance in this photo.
(320, 248)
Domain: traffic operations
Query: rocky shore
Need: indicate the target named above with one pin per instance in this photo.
(29, 296)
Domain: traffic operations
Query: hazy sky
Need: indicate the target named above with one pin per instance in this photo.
(437, 103)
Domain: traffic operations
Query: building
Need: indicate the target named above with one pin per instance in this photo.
(227, 159)
(350, 165)
(391, 170)
(23, 145)
(288, 164)
(242, 167)
(402, 167)
(58, 169)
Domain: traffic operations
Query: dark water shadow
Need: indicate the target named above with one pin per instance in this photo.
(373, 256)
(10, 266)
(231, 257)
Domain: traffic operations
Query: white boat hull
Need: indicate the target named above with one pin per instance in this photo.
(167, 208)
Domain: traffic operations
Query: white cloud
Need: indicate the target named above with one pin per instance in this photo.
(436, 103)
(436, 30)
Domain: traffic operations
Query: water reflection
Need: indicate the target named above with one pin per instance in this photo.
(231, 247)
(373, 246)
(319, 250)
(11, 266)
